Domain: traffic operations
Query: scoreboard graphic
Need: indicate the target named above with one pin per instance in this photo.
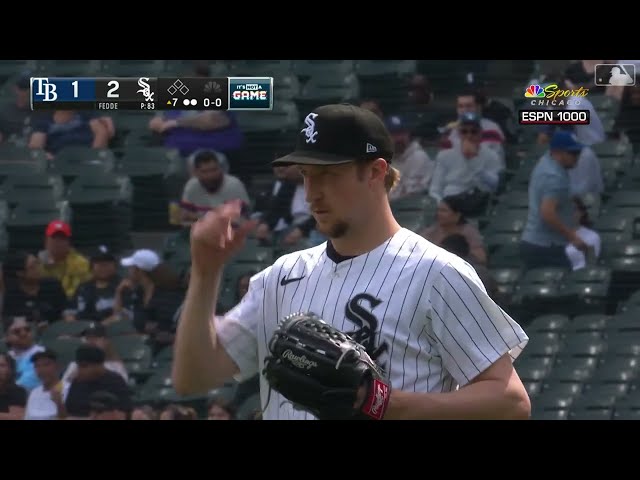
(152, 93)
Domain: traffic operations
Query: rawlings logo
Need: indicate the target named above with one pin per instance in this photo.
(299, 361)
(376, 405)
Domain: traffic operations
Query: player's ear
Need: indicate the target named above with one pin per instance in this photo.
(379, 170)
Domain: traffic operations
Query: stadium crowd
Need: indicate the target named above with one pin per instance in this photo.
(90, 309)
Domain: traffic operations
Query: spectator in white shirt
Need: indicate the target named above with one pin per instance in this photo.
(410, 159)
(46, 402)
(470, 169)
(589, 236)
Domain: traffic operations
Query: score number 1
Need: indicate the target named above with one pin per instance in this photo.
(111, 93)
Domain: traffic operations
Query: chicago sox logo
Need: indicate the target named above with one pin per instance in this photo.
(367, 325)
(310, 130)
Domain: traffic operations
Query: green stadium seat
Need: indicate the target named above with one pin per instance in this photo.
(551, 323)
(286, 88)
(534, 369)
(622, 413)
(73, 68)
(19, 154)
(261, 68)
(615, 227)
(511, 221)
(73, 161)
(314, 68)
(504, 255)
(624, 199)
(563, 388)
(164, 357)
(586, 290)
(543, 345)
(64, 330)
(591, 413)
(136, 354)
(613, 148)
(102, 213)
(540, 414)
(283, 117)
(584, 344)
(133, 68)
(623, 343)
(255, 255)
(65, 348)
(595, 322)
(120, 328)
(27, 222)
(617, 370)
(555, 399)
(601, 395)
(320, 90)
(25, 187)
(632, 302)
(506, 279)
(571, 372)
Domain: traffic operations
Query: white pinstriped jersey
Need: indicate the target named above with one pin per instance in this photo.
(422, 313)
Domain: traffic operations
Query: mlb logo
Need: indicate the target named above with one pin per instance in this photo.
(617, 74)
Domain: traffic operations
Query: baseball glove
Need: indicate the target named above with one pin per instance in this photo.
(320, 369)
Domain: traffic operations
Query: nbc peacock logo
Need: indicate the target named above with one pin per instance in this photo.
(534, 91)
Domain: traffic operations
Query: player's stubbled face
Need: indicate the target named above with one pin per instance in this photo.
(334, 193)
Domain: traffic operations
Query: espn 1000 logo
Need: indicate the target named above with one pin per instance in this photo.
(250, 93)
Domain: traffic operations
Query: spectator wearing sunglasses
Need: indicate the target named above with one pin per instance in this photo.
(470, 169)
(19, 336)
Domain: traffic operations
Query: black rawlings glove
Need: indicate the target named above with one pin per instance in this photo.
(320, 369)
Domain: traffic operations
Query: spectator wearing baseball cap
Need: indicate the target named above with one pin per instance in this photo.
(107, 406)
(92, 377)
(469, 169)
(46, 402)
(60, 260)
(551, 224)
(411, 160)
(96, 335)
(155, 294)
(94, 298)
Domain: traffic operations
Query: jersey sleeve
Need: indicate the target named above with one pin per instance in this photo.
(237, 329)
(472, 332)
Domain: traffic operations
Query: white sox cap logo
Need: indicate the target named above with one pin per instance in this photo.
(310, 130)
(301, 361)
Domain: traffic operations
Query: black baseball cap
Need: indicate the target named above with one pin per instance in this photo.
(46, 353)
(340, 133)
(90, 355)
(102, 254)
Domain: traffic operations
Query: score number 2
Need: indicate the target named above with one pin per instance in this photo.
(111, 93)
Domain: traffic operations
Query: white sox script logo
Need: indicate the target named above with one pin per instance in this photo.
(310, 130)
(301, 361)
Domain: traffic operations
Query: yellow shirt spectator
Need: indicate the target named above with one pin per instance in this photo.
(61, 260)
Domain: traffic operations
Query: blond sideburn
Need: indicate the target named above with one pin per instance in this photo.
(392, 178)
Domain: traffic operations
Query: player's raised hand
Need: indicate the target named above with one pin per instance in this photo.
(217, 236)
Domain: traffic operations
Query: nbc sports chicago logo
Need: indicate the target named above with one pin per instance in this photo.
(554, 95)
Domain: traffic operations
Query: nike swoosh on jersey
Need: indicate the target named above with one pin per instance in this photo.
(286, 280)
